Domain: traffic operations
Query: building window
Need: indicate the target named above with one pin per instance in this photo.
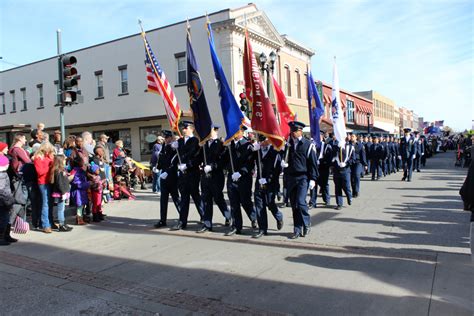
(123, 79)
(12, 95)
(100, 84)
(350, 111)
(3, 103)
(298, 84)
(287, 81)
(305, 85)
(148, 137)
(181, 67)
(40, 95)
(23, 99)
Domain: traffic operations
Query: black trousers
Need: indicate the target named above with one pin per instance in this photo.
(188, 186)
(212, 187)
(168, 187)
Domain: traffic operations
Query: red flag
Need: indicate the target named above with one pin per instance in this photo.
(285, 113)
(263, 117)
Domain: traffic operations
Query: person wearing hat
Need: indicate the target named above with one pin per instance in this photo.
(239, 181)
(367, 144)
(407, 153)
(103, 142)
(213, 180)
(419, 151)
(358, 165)
(266, 185)
(168, 177)
(324, 155)
(155, 152)
(187, 148)
(383, 162)
(376, 154)
(301, 168)
(393, 154)
(423, 146)
(343, 158)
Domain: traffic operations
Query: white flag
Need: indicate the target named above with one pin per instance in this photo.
(337, 114)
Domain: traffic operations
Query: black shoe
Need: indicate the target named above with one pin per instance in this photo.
(64, 228)
(418, 170)
(102, 216)
(355, 194)
(8, 237)
(260, 233)
(160, 224)
(409, 180)
(349, 201)
(310, 206)
(295, 236)
(204, 229)
(337, 208)
(178, 226)
(306, 230)
(254, 224)
(201, 221)
(279, 196)
(232, 231)
(227, 223)
(96, 218)
(404, 178)
(373, 179)
(279, 225)
(143, 186)
(287, 204)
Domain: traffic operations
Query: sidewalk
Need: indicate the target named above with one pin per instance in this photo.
(400, 249)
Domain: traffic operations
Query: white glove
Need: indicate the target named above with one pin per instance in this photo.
(262, 181)
(284, 164)
(312, 184)
(164, 175)
(207, 168)
(182, 167)
(155, 170)
(174, 145)
(399, 157)
(236, 176)
(342, 164)
(422, 154)
(414, 156)
(256, 147)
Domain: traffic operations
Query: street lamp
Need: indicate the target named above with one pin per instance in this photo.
(269, 66)
(368, 123)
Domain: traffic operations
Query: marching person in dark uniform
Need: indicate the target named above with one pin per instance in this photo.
(367, 144)
(302, 171)
(239, 181)
(376, 154)
(407, 153)
(423, 146)
(213, 180)
(324, 156)
(358, 166)
(168, 178)
(393, 155)
(344, 157)
(419, 151)
(383, 143)
(398, 160)
(266, 185)
(188, 161)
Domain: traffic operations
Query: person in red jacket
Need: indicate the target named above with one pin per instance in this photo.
(43, 161)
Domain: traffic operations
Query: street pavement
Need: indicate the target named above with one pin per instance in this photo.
(402, 248)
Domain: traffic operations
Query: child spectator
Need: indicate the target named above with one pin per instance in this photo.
(96, 192)
(60, 190)
(79, 186)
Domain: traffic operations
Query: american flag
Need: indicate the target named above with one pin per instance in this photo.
(157, 82)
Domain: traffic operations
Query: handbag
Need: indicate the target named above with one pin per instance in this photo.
(21, 226)
(18, 194)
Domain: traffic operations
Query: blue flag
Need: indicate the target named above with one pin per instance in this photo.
(233, 116)
(316, 110)
(202, 119)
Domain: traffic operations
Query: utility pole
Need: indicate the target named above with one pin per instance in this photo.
(60, 87)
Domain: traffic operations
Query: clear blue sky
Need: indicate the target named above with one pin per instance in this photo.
(418, 53)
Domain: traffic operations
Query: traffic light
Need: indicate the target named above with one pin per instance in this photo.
(243, 102)
(69, 79)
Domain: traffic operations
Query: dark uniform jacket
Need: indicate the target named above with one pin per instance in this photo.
(302, 160)
(360, 153)
(166, 161)
(270, 165)
(325, 160)
(407, 148)
(376, 152)
(345, 154)
(242, 157)
(189, 154)
(214, 152)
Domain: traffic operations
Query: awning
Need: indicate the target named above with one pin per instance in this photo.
(363, 108)
(327, 99)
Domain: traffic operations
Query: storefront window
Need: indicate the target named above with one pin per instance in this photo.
(148, 137)
(114, 135)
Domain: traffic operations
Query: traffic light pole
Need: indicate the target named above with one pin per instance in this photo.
(60, 85)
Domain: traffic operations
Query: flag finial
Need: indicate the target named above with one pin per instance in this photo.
(141, 26)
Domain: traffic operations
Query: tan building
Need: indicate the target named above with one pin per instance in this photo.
(384, 111)
(396, 119)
